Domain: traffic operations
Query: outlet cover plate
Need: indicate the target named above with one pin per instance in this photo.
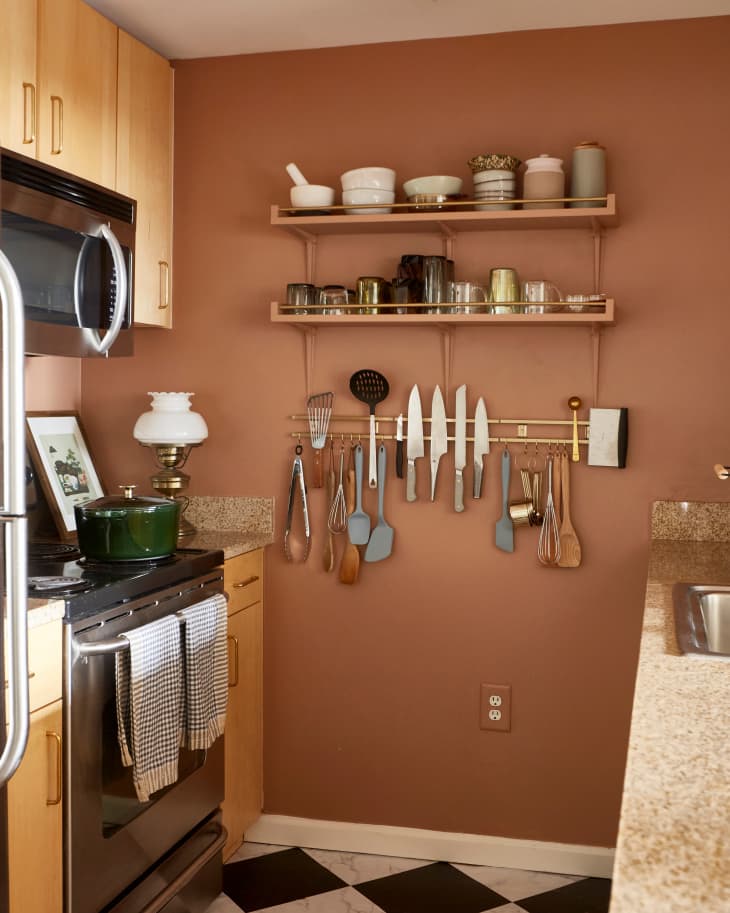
(495, 707)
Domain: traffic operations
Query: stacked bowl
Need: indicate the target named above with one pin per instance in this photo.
(368, 186)
(495, 180)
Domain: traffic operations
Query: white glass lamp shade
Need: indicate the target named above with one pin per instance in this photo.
(170, 421)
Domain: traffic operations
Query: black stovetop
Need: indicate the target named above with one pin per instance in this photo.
(89, 587)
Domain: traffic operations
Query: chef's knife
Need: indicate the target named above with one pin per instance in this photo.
(414, 445)
(438, 436)
(460, 448)
(481, 444)
(399, 446)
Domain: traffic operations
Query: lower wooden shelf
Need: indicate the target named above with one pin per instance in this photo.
(559, 318)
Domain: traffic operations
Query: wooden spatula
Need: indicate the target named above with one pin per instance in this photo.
(570, 552)
(350, 561)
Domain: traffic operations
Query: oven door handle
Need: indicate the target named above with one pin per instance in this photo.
(177, 884)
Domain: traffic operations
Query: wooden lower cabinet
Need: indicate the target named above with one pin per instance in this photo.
(35, 819)
(244, 721)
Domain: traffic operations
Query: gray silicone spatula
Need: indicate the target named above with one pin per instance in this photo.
(381, 539)
(505, 537)
(358, 523)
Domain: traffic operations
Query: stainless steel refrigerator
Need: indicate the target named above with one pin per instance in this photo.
(13, 554)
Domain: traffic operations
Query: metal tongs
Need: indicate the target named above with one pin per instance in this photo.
(297, 478)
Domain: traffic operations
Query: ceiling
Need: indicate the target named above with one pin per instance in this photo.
(191, 28)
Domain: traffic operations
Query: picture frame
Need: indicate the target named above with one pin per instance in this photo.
(63, 464)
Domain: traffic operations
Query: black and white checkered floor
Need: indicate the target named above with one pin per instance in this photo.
(275, 879)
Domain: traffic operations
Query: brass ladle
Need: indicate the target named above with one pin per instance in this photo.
(575, 403)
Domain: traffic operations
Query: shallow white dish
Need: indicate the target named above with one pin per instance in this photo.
(374, 177)
(434, 183)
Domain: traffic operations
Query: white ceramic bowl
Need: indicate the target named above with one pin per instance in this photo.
(312, 196)
(434, 183)
(373, 177)
(368, 195)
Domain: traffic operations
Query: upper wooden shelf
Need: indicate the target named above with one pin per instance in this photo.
(559, 319)
(448, 222)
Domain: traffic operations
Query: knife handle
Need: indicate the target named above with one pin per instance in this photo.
(478, 479)
(434, 475)
(399, 459)
(411, 481)
(459, 491)
(372, 466)
(317, 471)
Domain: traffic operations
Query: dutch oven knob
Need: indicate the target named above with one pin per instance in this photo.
(128, 490)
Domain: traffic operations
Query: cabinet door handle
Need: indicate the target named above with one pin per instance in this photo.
(30, 676)
(247, 582)
(56, 102)
(59, 777)
(164, 285)
(232, 684)
(28, 90)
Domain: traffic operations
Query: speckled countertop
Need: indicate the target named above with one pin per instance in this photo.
(673, 849)
(235, 525)
(41, 612)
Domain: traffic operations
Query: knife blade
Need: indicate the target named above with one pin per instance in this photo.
(414, 445)
(438, 436)
(481, 444)
(399, 446)
(460, 448)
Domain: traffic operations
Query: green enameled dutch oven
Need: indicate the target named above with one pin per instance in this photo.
(127, 528)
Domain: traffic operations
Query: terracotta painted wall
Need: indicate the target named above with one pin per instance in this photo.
(371, 709)
(52, 384)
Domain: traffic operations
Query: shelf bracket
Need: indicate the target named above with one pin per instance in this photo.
(310, 251)
(448, 236)
(596, 346)
(309, 337)
(448, 339)
(597, 232)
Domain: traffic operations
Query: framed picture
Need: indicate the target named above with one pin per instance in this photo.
(63, 464)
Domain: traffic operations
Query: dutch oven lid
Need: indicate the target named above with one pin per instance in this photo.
(128, 503)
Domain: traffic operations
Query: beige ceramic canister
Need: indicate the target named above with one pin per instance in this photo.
(543, 180)
(588, 175)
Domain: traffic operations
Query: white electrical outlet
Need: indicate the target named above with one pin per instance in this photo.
(495, 715)
(495, 707)
(495, 700)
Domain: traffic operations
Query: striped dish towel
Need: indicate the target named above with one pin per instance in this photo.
(149, 695)
(205, 657)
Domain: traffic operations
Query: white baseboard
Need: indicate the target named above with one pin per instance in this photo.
(439, 846)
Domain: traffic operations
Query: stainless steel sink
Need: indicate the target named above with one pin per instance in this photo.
(702, 619)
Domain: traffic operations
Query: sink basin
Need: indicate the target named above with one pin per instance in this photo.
(702, 619)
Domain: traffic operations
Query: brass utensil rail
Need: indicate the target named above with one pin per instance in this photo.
(521, 424)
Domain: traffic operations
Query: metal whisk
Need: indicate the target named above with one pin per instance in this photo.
(337, 520)
(548, 545)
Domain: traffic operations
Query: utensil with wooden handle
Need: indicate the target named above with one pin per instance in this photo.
(319, 410)
(328, 555)
(557, 489)
(570, 550)
(575, 403)
(350, 561)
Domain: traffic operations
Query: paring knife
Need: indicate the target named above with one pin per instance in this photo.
(414, 446)
(438, 436)
(399, 446)
(460, 448)
(481, 444)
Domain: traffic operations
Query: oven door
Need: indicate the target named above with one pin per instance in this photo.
(112, 840)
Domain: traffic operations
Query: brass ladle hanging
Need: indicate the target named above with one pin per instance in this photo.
(575, 403)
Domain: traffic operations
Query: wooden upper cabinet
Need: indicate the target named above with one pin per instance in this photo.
(18, 24)
(144, 172)
(77, 90)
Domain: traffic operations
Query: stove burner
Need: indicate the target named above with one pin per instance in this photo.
(52, 550)
(57, 585)
(134, 564)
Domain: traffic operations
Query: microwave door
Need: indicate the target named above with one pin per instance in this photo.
(118, 290)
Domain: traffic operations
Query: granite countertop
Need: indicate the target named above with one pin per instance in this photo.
(235, 525)
(673, 849)
(41, 611)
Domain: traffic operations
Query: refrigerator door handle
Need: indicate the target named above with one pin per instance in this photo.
(13, 518)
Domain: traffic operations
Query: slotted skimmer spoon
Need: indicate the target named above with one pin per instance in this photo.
(381, 538)
(370, 387)
(319, 410)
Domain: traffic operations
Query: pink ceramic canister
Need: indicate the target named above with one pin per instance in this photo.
(543, 180)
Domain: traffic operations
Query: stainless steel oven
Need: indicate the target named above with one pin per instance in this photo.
(119, 854)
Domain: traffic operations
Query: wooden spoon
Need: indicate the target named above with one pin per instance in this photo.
(570, 552)
(328, 556)
(350, 561)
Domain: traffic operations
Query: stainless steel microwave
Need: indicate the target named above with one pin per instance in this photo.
(71, 244)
